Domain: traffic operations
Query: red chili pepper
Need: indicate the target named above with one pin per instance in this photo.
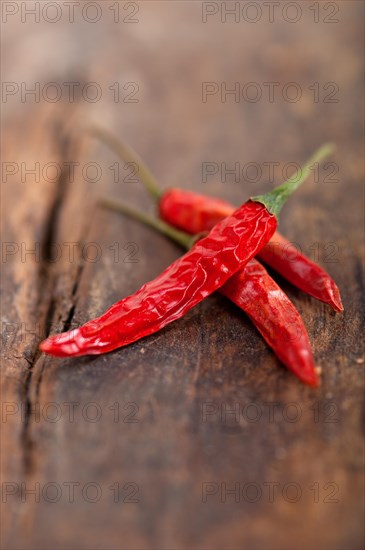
(275, 316)
(185, 283)
(193, 213)
(256, 293)
(205, 268)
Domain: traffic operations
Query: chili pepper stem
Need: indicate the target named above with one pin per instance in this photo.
(129, 155)
(180, 237)
(275, 199)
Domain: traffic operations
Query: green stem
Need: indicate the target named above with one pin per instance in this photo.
(180, 237)
(126, 153)
(275, 199)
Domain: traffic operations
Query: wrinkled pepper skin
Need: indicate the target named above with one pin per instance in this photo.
(251, 288)
(191, 278)
(275, 316)
(301, 271)
(193, 213)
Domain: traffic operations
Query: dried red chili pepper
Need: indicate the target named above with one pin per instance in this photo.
(193, 213)
(275, 316)
(257, 294)
(190, 279)
(206, 267)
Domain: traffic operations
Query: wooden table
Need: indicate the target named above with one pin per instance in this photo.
(139, 448)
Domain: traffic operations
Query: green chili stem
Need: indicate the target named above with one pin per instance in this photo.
(180, 237)
(275, 199)
(126, 153)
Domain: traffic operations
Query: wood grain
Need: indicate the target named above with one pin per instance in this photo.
(151, 422)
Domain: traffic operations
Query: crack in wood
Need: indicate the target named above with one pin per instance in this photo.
(68, 321)
(46, 280)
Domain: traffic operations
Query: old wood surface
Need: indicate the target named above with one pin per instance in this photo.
(135, 476)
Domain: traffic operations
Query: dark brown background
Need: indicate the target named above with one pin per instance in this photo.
(213, 354)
